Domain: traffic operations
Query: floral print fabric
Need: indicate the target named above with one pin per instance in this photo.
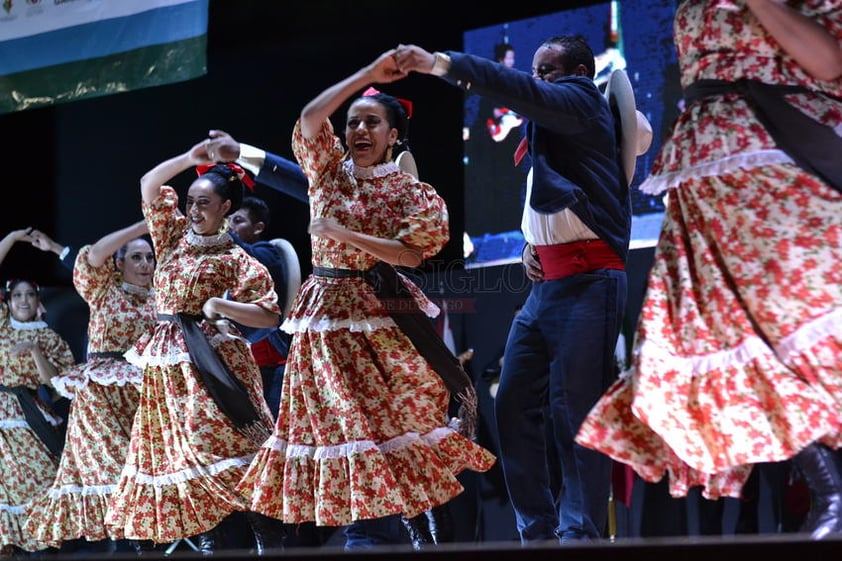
(737, 356)
(362, 431)
(185, 455)
(27, 468)
(104, 394)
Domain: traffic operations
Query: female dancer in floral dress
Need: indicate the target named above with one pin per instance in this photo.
(31, 354)
(114, 276)
(191, 441)
(363, 430)
(738, 351)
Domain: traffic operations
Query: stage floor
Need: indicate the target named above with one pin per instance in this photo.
(693, 548)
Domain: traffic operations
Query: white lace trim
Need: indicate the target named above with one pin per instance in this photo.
(67, 387)
(657, 184)
(133, 358)
(326, 324)
(17, 510)
(207, 241)
(135, 378)
(740, 355)
(22, 424)
(380, 170)
(819, 328)
(86, 490)
(139, 290)
(27, 324)
(185, 474)
(751, 349)
(437, 435)
(357, 447)
(169, 359)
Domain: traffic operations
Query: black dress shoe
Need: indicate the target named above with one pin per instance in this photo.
(206, 542)
(441, 524)
(418, 528)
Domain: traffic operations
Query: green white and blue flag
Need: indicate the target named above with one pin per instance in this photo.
(55, 51)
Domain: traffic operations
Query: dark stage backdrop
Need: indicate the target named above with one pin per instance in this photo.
(73, 170)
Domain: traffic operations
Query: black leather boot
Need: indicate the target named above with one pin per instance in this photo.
(269, 533)
(441, 524)
(206, 542)
(418, 528)
(822, 472)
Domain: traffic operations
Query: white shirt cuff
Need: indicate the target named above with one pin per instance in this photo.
(251, 158)
(441, 64)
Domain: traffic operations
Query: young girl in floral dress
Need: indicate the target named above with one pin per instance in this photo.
(31, 354)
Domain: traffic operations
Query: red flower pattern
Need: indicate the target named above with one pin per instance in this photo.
(736, 357)
(185, 456)
(361, 431)
(27, 468)
(104, 393)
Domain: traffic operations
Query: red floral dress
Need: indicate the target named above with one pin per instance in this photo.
(104, 394)
(363, 429)
(186, 456)
(738, 351)
(27, 468)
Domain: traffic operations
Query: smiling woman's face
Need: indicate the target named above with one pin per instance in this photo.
(205, 208)
(24, 301)
(368, 133)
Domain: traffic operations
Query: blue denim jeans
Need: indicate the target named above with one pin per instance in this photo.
(559, 358)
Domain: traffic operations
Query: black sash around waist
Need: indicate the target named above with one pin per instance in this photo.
(415, 324)
(107, 354)
(332, 273)
(815, 147)
(35, 418)
(227, 391)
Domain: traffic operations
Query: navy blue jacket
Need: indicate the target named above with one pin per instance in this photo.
(572, 143)
(284, 176)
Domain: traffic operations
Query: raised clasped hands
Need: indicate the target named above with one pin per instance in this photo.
(222, 147)
(412, 58)
(385, 68)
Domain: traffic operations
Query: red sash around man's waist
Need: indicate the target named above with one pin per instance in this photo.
(566, 259)
(265, 354)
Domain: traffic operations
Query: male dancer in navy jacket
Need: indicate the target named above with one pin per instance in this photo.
(577, 222)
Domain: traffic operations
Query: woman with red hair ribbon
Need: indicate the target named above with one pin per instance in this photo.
(363, 430)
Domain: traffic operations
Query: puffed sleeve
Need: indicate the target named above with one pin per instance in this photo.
(318, 154)
(92, 283)
(425, 224)
(166, 222)
(254, 284)
(56, 349)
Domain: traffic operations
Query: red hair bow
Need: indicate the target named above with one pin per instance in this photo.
(202, 169)
(407, 105)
